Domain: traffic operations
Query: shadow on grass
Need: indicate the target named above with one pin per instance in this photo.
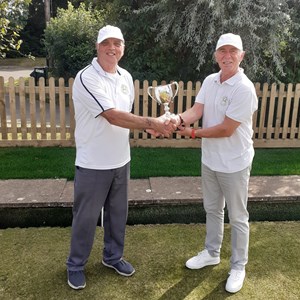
(33, 264)
(190, 282)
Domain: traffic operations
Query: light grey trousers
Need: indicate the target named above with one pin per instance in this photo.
(94, 189)
(230, 188)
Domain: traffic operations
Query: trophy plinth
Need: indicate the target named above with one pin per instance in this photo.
(163, 94)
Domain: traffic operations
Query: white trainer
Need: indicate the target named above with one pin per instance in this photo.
(202, 260)
(235, 281)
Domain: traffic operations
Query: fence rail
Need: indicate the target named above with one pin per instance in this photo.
(43, 115)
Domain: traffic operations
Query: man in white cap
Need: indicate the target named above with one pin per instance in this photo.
(103, 95)
(227, 101)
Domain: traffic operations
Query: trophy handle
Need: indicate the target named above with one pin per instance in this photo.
(150, 93)
(177, 88)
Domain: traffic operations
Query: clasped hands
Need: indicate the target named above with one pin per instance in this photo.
(166, 126)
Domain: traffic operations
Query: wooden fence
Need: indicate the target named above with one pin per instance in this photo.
(43, 115)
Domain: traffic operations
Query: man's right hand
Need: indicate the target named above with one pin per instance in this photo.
(162, 127)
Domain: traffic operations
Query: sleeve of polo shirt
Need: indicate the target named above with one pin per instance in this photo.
(132, 91)
(243, 104)
(132, 95)
(200, 98)
(93, 94)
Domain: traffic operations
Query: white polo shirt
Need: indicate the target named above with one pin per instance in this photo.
(235, 98)
(100, 145)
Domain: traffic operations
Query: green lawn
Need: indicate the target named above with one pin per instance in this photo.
(23, 62)
(33, 265)
(58, 162)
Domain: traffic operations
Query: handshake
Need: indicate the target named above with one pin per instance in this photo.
(164, 127)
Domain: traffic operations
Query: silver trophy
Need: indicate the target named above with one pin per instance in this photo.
(163, 94)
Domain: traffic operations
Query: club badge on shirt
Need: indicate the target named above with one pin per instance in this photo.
(124, 89)
(224, 101)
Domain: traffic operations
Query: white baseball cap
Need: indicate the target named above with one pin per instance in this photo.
(230, 39)
(109, 31)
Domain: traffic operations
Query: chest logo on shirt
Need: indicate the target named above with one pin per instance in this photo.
(124, 89)
(225, 101)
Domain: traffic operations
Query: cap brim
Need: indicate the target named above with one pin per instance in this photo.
(109, 36)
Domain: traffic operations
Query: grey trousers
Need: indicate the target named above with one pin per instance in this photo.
(94, 189)
(230, 188)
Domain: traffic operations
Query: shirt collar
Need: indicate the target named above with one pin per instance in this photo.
(99, 69)
(232, 80)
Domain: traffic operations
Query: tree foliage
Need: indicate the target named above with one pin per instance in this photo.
(175, 40)
(145, 58)
(291, 52)
(70, 39)
(13, 15)
(33, 32)
(265, 26)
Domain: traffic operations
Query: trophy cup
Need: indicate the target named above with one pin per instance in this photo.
(163, 94)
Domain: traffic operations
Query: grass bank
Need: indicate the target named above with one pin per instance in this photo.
(39, 163)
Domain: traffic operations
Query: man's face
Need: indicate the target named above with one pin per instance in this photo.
(229, 58)
(110, 50)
